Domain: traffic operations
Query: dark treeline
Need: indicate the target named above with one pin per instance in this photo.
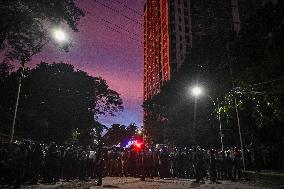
(246, 67)
(57, 103)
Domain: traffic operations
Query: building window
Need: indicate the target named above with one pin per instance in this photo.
(173, 56)
(180, 37)
(185, 12)
(185, 3)
(179, 10)
(210, 13)
(172, 13)
(175, 67)
(172, 5)
(173, 45)
(187, 29)
(173, 39)
(187, 39)
(186, 21)
(179, 27)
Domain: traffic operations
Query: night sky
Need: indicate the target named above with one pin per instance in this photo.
(114, 56)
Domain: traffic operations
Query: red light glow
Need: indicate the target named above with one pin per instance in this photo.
(137, 145)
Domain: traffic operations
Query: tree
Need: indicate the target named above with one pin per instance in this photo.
(257, 57)
(57, 101)
(25, 25)
(119, 134)
(5, 70)
(170, 114)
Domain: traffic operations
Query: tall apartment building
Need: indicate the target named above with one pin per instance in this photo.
(172, 27)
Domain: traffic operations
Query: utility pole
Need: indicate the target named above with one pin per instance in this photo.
(240, 134)
(17, 101)
(194, 121)
(220, 125)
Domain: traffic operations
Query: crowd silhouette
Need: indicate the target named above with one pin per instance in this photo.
(26, 162)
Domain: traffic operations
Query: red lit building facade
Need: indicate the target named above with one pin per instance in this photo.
(156, 46)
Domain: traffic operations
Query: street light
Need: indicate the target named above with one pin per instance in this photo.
(196, 91)
(60, 37)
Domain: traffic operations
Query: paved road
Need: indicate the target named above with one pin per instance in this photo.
(135, 183)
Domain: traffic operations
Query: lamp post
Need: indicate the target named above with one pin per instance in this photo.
(196, 91)
(240, 132)
(60, 37)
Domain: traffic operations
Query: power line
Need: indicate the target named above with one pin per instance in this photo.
(120, 27)
(120, 32)
(116, 11)
(115, 30)
(135, 11)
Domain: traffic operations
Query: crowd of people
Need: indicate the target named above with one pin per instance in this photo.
(27, 162)
(165, 162)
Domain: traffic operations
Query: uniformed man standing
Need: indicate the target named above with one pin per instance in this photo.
(212, 166)
(99, 161)
(199, 164)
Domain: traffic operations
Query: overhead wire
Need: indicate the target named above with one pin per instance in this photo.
(111, 28)
(118, 12)
(114, 29)
(130, 32)
(129, 8)
(117, 26)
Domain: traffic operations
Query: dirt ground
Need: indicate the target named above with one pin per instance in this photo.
(135, 183)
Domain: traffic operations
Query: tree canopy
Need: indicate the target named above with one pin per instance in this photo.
(58, 101)
(119, 134)
(25, 25)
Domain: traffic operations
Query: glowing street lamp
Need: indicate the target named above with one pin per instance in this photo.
(59, 35)
(197, 91)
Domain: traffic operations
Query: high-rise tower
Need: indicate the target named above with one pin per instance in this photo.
(172, 27)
